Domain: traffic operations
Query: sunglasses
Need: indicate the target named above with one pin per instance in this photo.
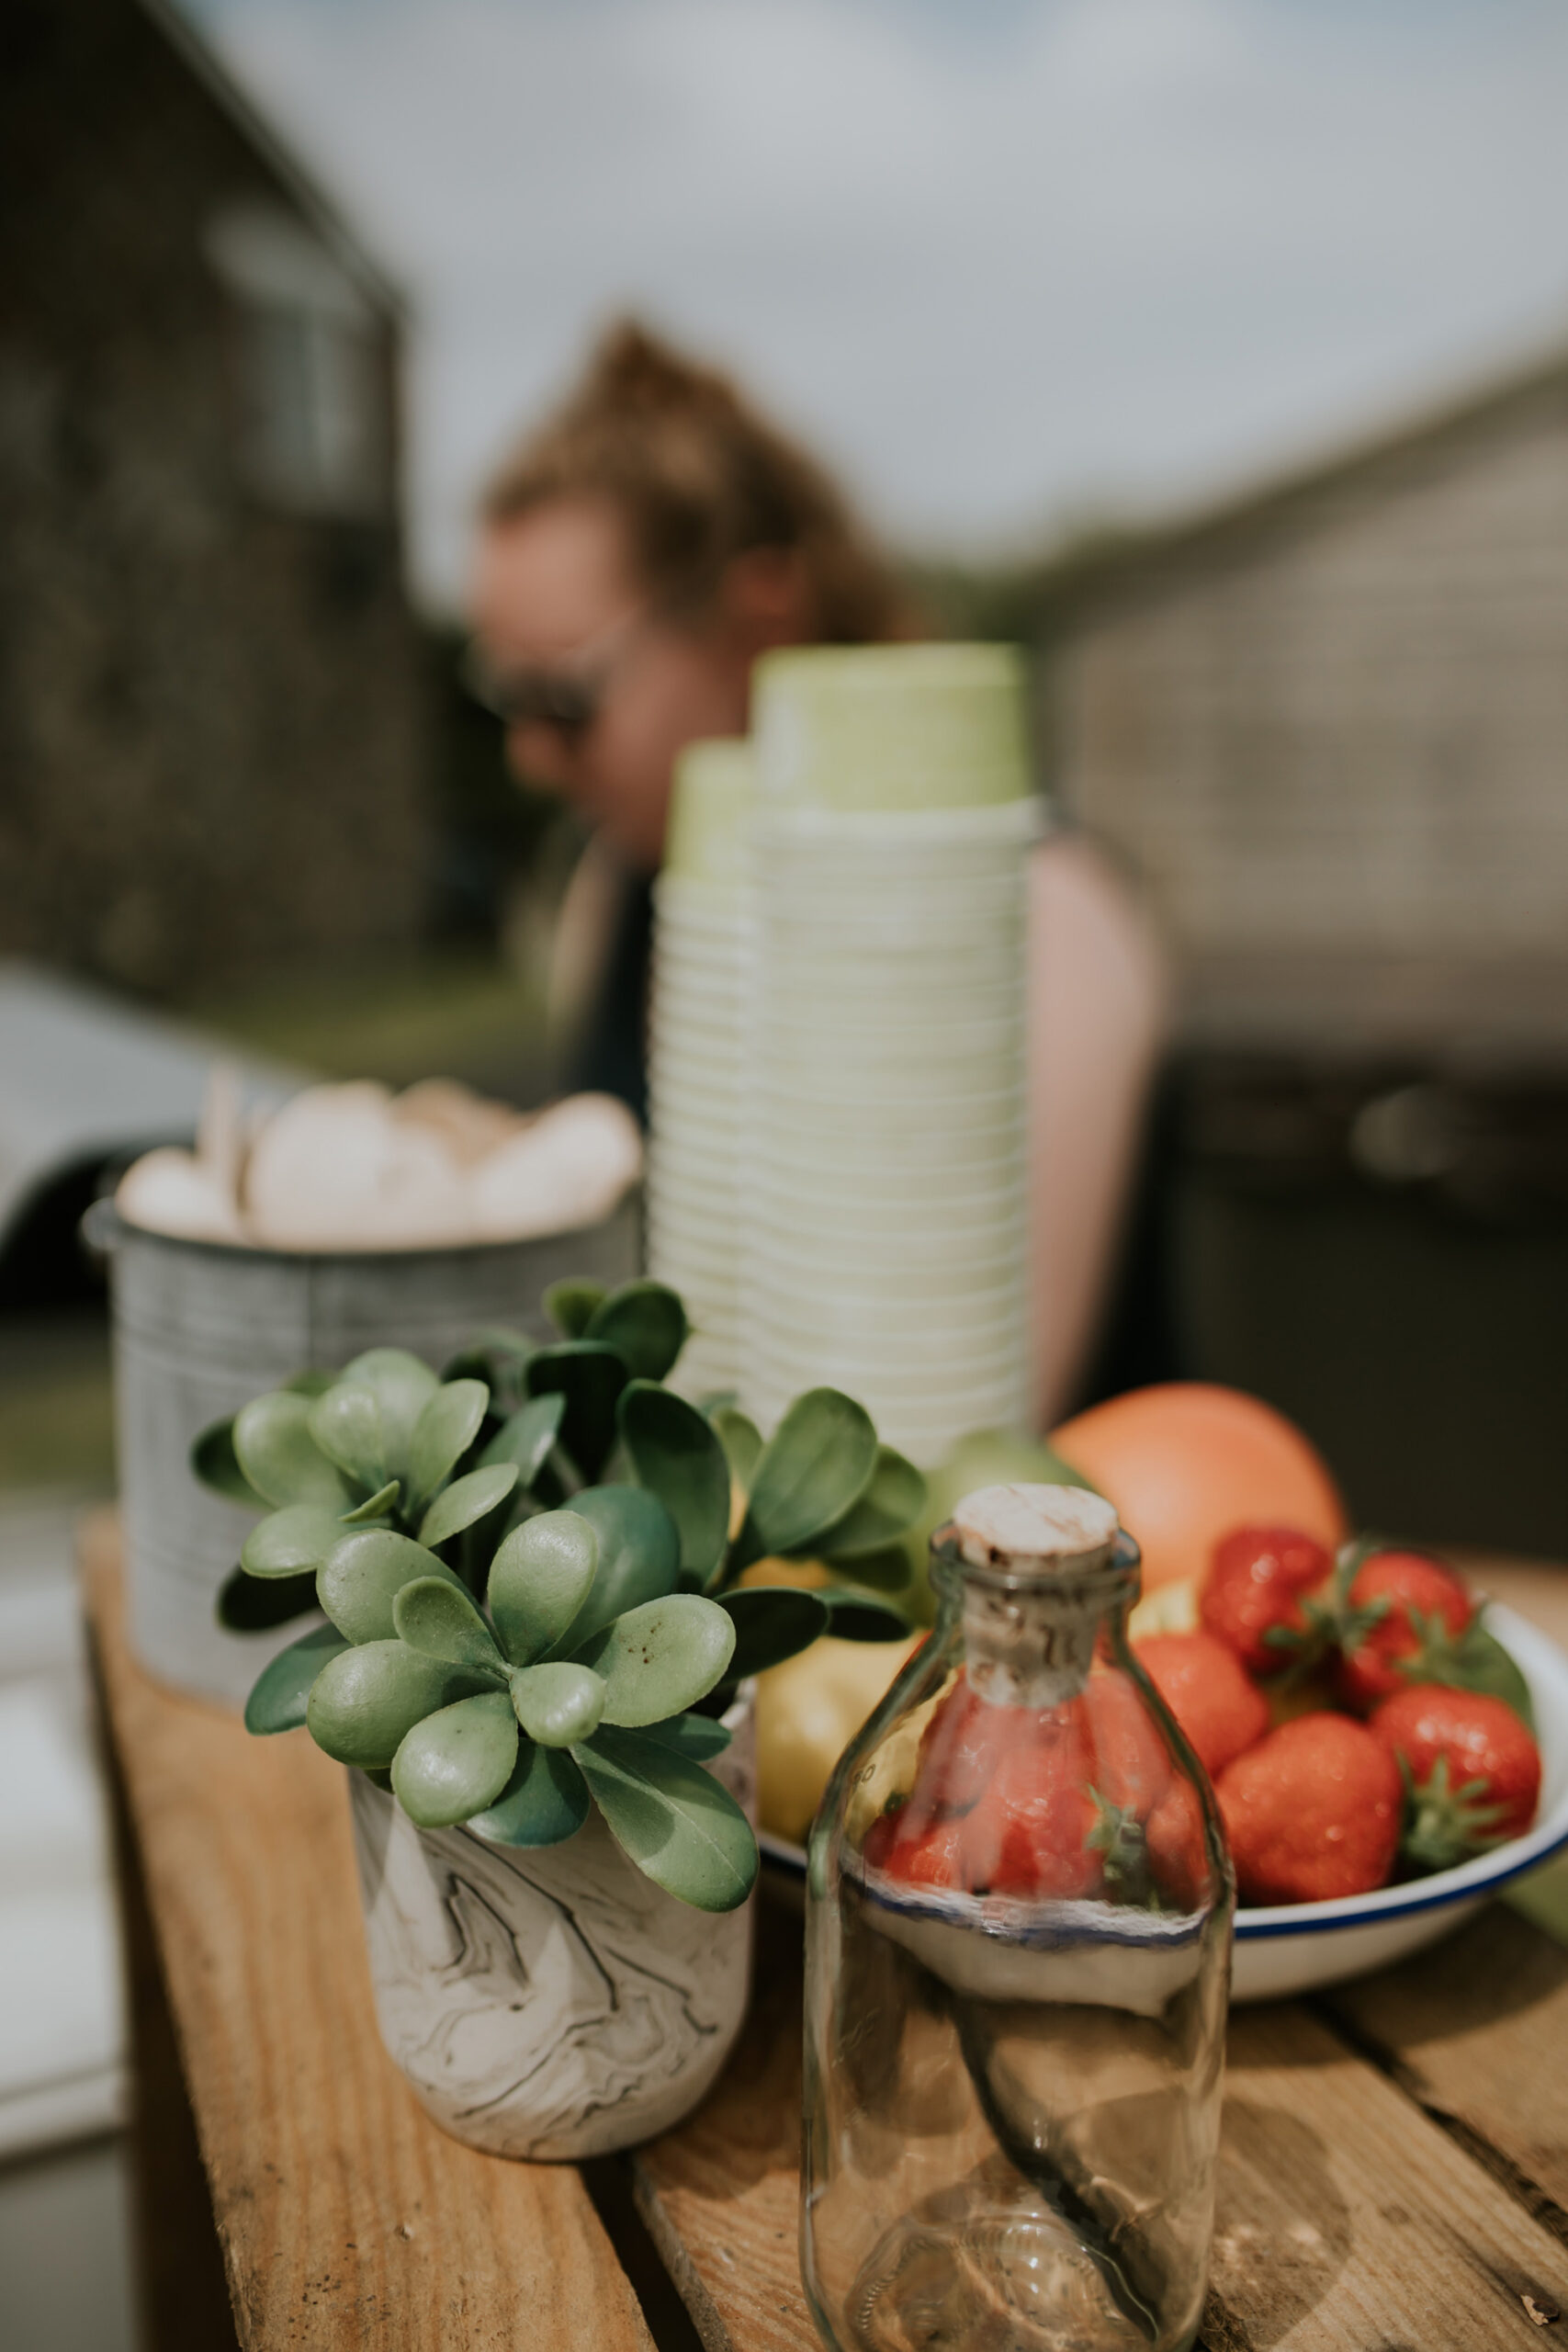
(567, 698)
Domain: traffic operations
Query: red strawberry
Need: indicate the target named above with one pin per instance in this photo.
(1032, 1832)
(1177, 1853)
(1205, 1685)
(1256, 1597)
(1473, 1771)
(962, 1745)
(1399, 1624)
(933, 1856)
(1313, 1811)
(1128, 1765)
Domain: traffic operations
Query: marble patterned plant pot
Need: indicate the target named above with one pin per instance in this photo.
(550, 2002)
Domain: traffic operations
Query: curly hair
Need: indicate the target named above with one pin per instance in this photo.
(700, 478)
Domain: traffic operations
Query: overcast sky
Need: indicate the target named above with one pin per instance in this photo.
(1008, 262)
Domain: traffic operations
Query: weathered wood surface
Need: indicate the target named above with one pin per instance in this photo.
(1345, 2218)
(345, 2217)
(1395, 2160)
(720, 2194)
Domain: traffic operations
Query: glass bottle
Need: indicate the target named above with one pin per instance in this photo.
(1018, 1962)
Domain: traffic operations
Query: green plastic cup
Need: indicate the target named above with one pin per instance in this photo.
(709, 811)
(891, 728)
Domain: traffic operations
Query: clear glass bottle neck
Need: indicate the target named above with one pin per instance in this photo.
(1029, 1639)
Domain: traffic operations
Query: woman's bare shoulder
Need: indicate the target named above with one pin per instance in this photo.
(1083, 902)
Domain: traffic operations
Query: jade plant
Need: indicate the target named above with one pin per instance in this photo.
(530, 1571)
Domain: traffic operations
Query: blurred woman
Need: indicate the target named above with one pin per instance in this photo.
(637, 555)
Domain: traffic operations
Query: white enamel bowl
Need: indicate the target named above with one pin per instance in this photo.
(1302, 1947)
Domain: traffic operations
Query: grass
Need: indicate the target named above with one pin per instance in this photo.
(56, 1401)
(447, 1014)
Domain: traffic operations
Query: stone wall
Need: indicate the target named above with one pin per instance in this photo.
(213, 749)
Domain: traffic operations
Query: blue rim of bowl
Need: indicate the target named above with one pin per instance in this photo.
(1467, 1883)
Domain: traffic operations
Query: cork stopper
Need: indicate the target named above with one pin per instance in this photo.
(1032, 1530)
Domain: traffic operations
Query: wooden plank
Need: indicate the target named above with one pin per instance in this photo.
(1477, 2032)
(720, 2194)
(181, 2290)
(1344, 2218)
(346, 2216)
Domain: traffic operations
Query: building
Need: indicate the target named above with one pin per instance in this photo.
(1328, 721)
(212, 690)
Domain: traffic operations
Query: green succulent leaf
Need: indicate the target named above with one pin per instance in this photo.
(248, 1604)
(441, 1435)
(662, 1658)
(278, 1456)
(539, 1579)
(544, 1801)
(497, 1357)
(527, 1437)
(216, 1463)
(557, 1704)
(364, 1702)
(457, 1761)
(572, 1304)
(311, 1382)
(346, 1425)
(640, 1557)
(278, 1697)
(815, 1468)
(590, 1376)
(382, 1504)
(680, 1825)
(892, 1503)
(773, 1622)
(466, 1500)
(644, 1323)
(886, 1571)
(439, 1619)
(291, 1541)
(698, 1737)
(362, 1575)
(677, 1455)
(741, 1441)
(857, 1617)
(402, 1387)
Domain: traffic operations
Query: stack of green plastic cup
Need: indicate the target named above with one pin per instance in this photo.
(698, 1050)
(885, 1223)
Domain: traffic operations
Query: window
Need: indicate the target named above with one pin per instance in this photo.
(312, 420)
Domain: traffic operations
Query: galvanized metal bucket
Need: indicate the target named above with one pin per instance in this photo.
(199, 1328)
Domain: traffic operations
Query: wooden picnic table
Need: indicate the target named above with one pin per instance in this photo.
(1393, 2172)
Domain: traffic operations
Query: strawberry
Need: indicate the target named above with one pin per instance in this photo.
(1471, 1769)
(1203, 1683)
(1032, 1832)
(1313, 1811)
(1400, 1621)
(1173, 1836)
(1127, 1762)
(962, 1745)
(1260, 1597)
(928, 1856)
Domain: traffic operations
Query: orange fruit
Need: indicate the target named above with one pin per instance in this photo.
(1187, 1461)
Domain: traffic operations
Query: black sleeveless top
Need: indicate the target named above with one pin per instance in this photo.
(610, 1055)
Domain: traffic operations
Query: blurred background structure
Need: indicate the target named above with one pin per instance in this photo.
(1037, 277)
(1328, 722)
(215, 695)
